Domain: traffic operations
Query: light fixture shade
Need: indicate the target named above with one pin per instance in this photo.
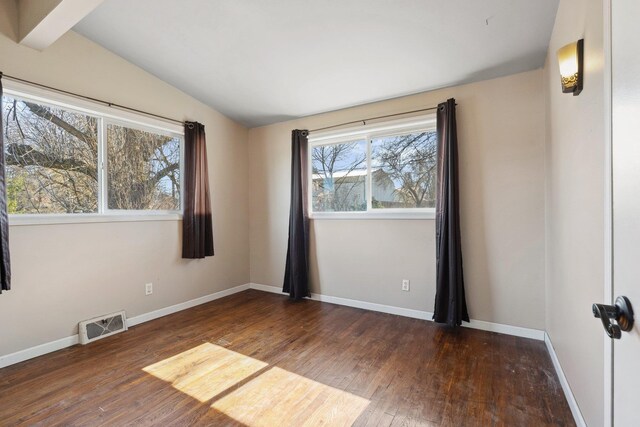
(570, 59)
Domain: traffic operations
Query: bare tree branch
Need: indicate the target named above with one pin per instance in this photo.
(166, 171)
(46, 114)
(25, 155)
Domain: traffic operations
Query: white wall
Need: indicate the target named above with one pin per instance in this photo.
(66, 273)
(575, 207)
(501, 144)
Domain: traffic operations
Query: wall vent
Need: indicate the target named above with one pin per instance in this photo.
(101, 327)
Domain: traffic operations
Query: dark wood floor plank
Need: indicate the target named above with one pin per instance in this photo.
(411, 372)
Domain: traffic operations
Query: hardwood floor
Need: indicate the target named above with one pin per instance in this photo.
(257, 359)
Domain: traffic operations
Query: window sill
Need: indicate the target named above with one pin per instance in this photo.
(45, 219)
(373, 215)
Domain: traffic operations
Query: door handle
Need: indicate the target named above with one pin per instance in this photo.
(615, 318)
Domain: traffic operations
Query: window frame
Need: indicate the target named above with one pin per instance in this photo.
(105, 115)
(368, 132)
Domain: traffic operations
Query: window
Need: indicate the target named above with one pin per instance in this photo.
(143, 170)
(51, 158)
(65, 160)
(339, 177)
(377, 171)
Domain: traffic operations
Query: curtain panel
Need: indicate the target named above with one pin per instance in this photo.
(5, 262)
(296, 276)
(450, 304)
(197, 226)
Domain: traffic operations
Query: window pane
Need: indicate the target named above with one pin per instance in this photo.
(51, 159)
(143, 170)
(339, 177)
(404, 171)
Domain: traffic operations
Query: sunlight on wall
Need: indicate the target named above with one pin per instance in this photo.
(280, 398)
(205, 371)
(273, 398)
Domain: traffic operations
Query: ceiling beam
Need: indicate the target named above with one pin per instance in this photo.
(42, 22)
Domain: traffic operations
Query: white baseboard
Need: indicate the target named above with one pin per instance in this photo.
(571, 400)
(39, 350)
(517, 331)
(353, 303)
(136, 320)
(417, 314)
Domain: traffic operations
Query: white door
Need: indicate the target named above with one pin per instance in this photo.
(625, 125)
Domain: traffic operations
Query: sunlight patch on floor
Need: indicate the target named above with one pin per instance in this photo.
(205, 371)
(281, 398)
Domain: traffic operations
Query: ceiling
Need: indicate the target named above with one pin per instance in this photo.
(264, 61)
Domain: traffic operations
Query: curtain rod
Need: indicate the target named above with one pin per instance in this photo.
(107, 103)
(364, 121)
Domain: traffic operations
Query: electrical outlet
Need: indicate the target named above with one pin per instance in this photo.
(148, 289)
(405, 285)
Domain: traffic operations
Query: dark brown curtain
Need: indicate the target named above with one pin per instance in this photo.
(197, 227)
(450, 306)
(296, 275)
(5, 262)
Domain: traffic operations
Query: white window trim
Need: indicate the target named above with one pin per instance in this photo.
(368, 132)
(105, 115)
(428, 213)
(54, 219)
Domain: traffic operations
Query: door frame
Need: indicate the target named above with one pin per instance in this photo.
(608, 207)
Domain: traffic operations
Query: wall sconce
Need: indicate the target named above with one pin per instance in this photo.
(571, 72)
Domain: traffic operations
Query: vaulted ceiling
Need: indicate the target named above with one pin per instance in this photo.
(264, 61)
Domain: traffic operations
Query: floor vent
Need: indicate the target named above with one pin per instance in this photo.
(101, 327)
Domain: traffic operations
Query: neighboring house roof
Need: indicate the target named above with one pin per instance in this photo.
(346, 173)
